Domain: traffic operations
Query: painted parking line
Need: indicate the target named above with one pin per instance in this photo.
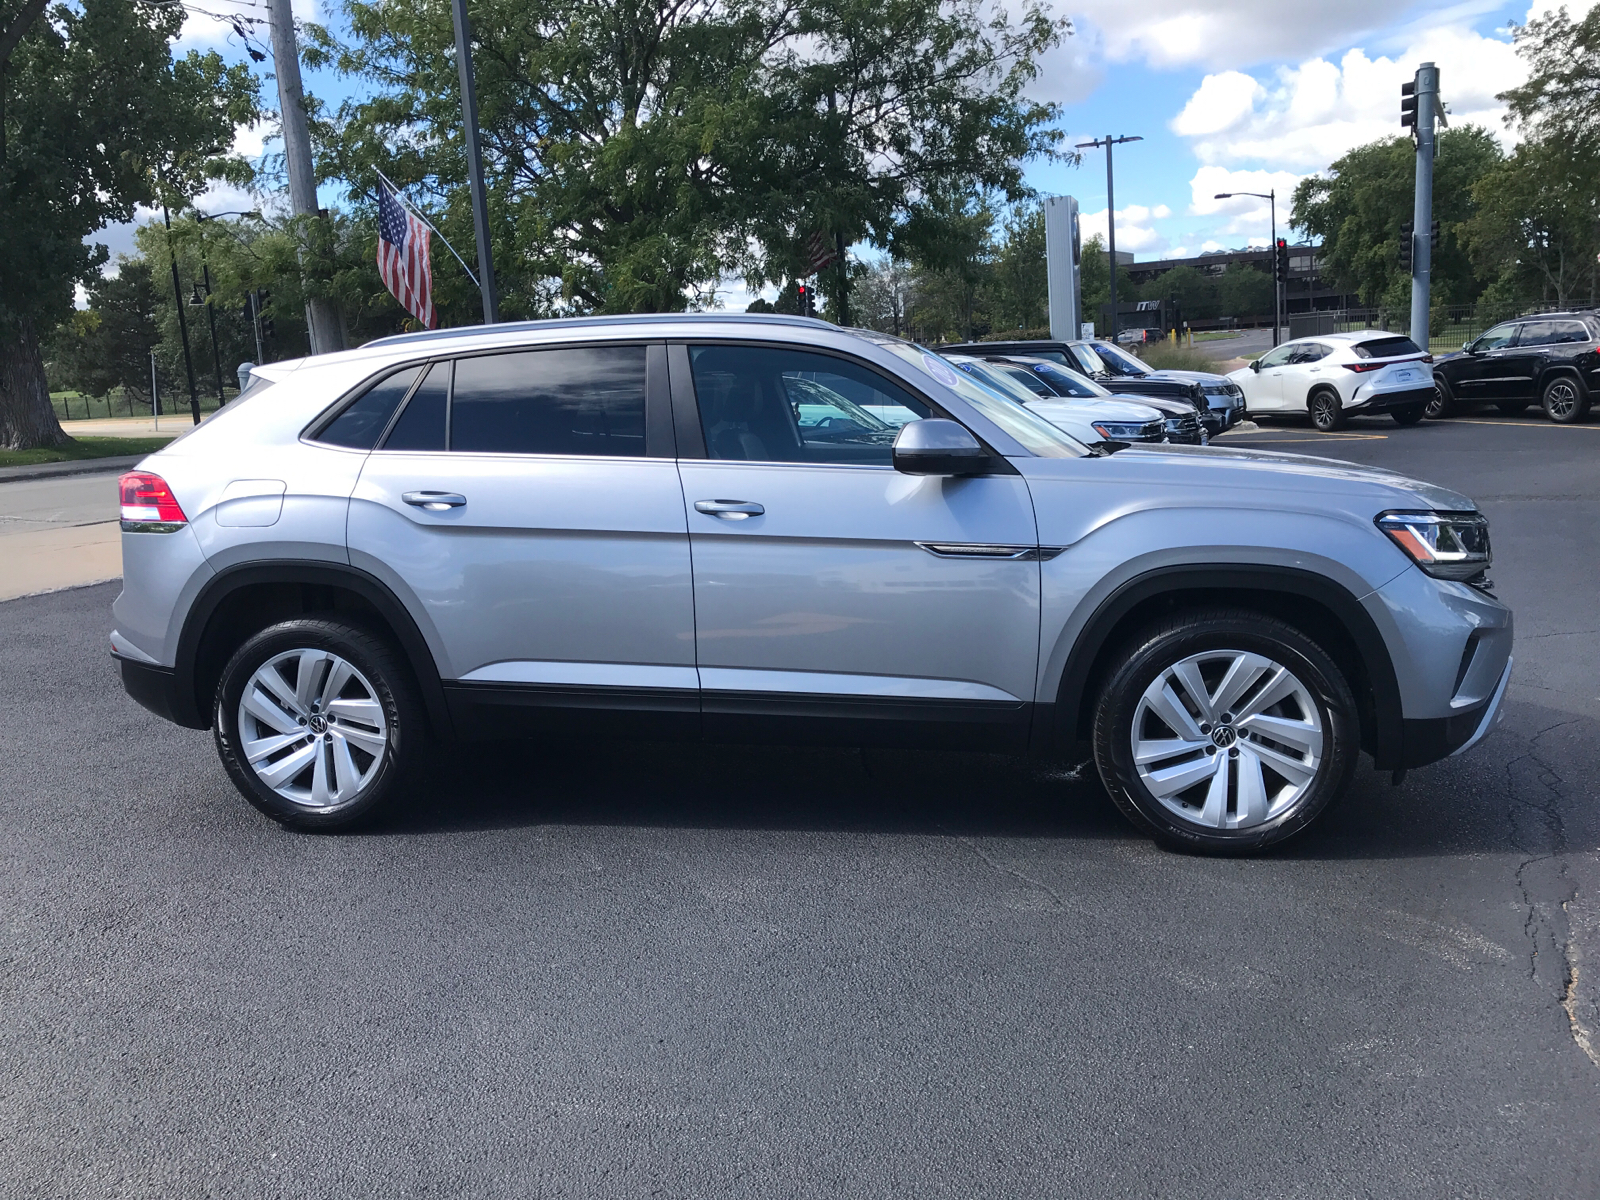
(1321, 437)
(1520, 424)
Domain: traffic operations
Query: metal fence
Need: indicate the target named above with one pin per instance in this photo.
(1450, 326)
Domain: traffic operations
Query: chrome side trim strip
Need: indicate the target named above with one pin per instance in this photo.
(991, 550)
(586, 674)
(820, 683)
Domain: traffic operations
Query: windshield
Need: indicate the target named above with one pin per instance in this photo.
(1068, 383)
(1118, 361)
(1031, 431)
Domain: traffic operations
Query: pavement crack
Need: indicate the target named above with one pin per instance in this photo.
(1538, 830)
(1004, 869)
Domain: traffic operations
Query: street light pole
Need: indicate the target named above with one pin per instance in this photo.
(1278, 285)
(1111, 216)
(183, 326)
(211, 310)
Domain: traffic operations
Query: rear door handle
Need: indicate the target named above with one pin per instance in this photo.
(434, 501)
(729, 510)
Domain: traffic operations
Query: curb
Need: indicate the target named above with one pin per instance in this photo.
(1245, 426)
(81, 466)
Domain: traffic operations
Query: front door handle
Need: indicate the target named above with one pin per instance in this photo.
(434, 501)
(729, 510)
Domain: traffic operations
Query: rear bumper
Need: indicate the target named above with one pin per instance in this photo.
(156, 688)
(1389, 401)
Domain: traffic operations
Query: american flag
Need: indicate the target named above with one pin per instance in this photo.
(820, 251)
(403, 257)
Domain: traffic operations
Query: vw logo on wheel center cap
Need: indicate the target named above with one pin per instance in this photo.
(1224, 736)
(319, 724)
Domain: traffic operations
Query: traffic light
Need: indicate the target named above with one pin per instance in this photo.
(263, 298)
(1407, 246)
(1281, 262)
(805, 301)
(1408, 105)
(1433, 237)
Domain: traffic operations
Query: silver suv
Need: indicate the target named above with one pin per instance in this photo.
(764, 528)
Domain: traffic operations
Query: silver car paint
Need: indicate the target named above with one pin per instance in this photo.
(552, 559)
(839, 555)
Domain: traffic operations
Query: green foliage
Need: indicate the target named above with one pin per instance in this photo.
(1165, 356)
(1358, 207)
(107, 345)
(1559, 105)
(1021, 289)
(636, 152)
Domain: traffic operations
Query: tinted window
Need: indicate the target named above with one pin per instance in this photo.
(587, 400)
(1537, 333)
(421, 426)
(1496, 339)
(359, 425)
(777, 404)
(1387, 347)
(1310, 352)
(1571, 331)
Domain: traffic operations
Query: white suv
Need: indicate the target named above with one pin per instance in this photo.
(1336, 375)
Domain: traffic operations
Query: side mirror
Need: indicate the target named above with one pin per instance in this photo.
(1467, 346)
(1255, 365)
(935, 446)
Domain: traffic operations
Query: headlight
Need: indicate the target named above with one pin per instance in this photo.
(1447, 545)
(1124, 431)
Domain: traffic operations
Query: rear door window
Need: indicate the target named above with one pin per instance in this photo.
(360, 425)
(422, 424)
(570, 400)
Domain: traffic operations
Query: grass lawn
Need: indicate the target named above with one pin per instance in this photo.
(1216, 335)
(85, 447)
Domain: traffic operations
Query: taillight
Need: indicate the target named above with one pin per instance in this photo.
(148, 505)
(1362, 367)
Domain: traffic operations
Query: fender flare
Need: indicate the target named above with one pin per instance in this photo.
(1564, 368)
(1346, 609)
(324, 574)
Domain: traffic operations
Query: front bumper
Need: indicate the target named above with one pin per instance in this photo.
(1383, 402)
(1427, 741)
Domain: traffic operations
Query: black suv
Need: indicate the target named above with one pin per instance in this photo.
(1218, 403)
(1549, 360)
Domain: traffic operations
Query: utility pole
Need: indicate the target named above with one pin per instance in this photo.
(1419, 108)
(322, 322)
(480, 198)
(1111, 216)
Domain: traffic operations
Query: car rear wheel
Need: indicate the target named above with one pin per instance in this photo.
(1409, 415)
(317, 722)
(1443, 403)
(1225, 731)
(1326, 409)
(1564, 401)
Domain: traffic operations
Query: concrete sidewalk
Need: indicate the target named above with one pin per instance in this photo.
(78, 466)
(58, 532)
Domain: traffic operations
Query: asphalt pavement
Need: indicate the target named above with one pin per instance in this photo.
(660, 970)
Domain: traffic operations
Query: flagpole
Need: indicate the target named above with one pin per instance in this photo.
(416, 212)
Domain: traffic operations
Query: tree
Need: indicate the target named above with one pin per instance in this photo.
(107, 345)
(1560, 102)
(1356, 209)
(639, 151)
(1094, 282)
(95, 106)
(1021, 289)
(1534, 231)
(1245, 290)
(884, 296)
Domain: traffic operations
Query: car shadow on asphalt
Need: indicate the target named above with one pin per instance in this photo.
(779, 788)
(1452, 808)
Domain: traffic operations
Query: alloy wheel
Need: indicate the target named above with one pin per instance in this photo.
(312, 728)
(1324, 412)
(1227, 739)
(1561, 399)
(1438, 404)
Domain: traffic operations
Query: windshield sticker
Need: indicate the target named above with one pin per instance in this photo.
(939, 369)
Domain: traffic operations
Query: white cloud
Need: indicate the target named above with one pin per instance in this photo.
(1134, 231)
(1169, 33)
(1221, 102)
(213, 28)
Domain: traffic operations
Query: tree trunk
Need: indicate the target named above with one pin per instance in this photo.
(27, 421)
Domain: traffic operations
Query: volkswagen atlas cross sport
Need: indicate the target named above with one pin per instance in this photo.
(665, 526)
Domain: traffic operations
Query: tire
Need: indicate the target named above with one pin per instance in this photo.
(1511, 408)
(1304, 768)
(1326, 409)
(367, 748)
(1443, 403)
(1564, 401)
(1410, 414)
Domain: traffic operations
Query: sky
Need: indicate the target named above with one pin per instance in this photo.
(1227, 95)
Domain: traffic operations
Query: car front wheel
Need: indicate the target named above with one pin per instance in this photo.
(317, 722)
(1225, 731)
(1564, 401)
(1326, 409)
